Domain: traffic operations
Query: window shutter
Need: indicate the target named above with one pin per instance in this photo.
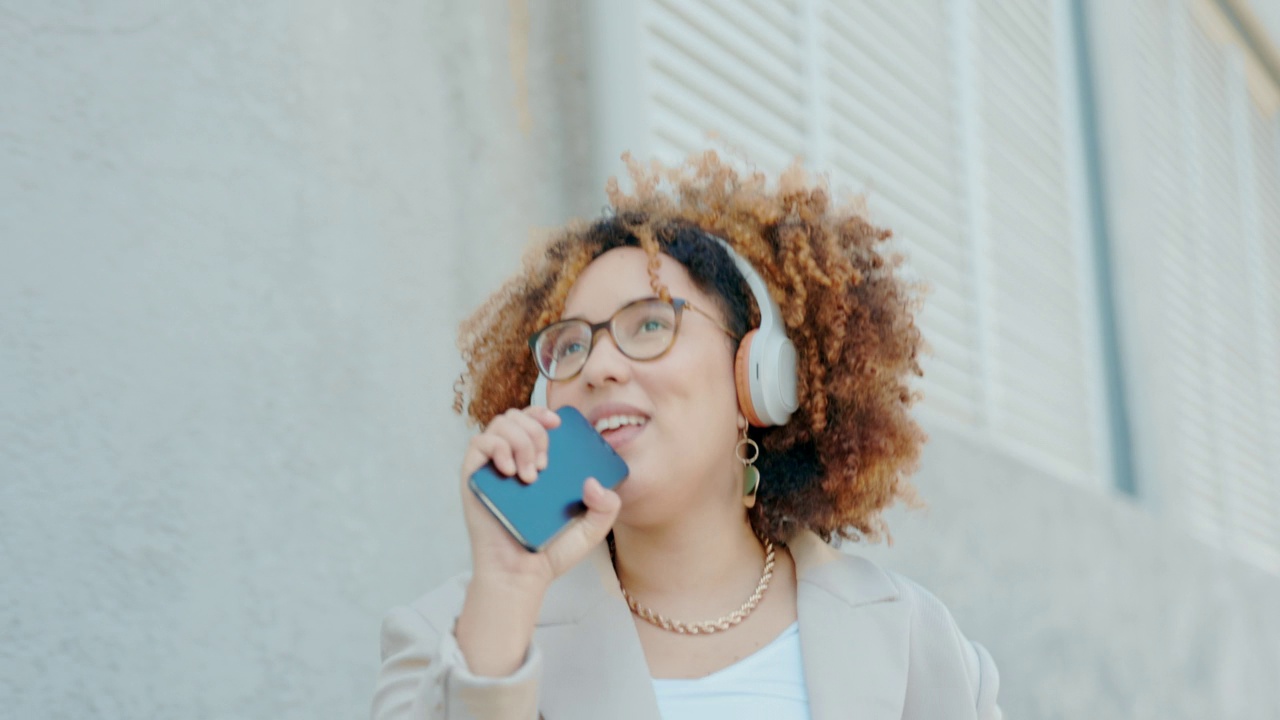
(1230, 494)
(734, 70)
(1196, 233)
(1152, 249)
(1265, 128)
(951, 115)
(1216, 207)
(1040, 350)
(1259, 152)
(890, 128)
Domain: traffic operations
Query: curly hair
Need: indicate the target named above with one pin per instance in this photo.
(846, 454)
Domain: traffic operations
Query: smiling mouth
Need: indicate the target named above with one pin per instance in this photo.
(614, 422)
(618, 430)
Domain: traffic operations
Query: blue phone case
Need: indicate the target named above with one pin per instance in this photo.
(535, 513)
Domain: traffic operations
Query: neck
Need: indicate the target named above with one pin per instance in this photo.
(694, 570)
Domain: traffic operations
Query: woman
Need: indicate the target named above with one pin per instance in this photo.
(704, 587)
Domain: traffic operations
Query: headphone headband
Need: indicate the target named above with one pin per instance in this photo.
(769, 363)
(770, 313)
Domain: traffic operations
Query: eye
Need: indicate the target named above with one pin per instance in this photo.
(569, 348)
(652, 325)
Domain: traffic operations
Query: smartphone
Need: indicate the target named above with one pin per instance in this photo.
(536, 512)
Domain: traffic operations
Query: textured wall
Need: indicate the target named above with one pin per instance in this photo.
(1091, 606)
(237, 238)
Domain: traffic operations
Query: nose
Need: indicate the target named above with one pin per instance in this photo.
(605, 363)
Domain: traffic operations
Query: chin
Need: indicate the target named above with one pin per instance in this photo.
(634, 491)
(631, 488)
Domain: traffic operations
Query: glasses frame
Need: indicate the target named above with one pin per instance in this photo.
(677, 304)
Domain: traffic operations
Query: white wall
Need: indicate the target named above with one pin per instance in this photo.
(236, 240)
(1093, 606)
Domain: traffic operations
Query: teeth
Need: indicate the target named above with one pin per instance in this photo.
(614, 422)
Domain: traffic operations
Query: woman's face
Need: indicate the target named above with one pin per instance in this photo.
(679, 411)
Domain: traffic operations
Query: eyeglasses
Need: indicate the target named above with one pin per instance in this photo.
(641, 330)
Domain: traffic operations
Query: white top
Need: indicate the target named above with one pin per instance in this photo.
(769, 683)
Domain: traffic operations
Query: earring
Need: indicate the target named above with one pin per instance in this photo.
(747, 451)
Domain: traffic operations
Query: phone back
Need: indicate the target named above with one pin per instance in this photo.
(535, 513)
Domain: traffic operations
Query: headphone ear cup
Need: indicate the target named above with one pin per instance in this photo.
(742, 379)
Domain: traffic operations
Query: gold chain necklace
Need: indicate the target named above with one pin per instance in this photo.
(710, 626)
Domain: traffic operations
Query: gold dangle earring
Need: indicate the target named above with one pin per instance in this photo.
(747, 451)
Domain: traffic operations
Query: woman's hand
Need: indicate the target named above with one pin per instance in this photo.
(508, 582)
(516, 443)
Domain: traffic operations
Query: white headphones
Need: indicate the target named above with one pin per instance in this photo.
(764, 370)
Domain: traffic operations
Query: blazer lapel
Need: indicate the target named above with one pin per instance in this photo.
(854, 638)
(854, 634)
(593, 665)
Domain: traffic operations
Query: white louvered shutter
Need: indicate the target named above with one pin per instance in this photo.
(950, 115)
(889, 127)
(1230, 496)
(1259, 142)
(1040, 340)
(1153, 246)
(729, 69)
(1214, 249)
(1194, 184)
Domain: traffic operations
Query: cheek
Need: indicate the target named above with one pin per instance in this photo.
(713, 381)
(702, 394)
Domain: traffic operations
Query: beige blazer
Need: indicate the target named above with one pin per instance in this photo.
(875, 646)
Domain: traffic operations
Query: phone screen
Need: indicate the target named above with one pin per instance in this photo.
(535, 513)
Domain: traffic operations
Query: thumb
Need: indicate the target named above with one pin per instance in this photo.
(602, 509)
(586, 531)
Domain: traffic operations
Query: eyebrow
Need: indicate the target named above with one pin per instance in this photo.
(621, 305)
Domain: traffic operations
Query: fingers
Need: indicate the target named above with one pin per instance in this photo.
(604, 503)
(546, 416)
(602, 510)
(586, 531)
(531, 453)
(515, 441)
(527, 439)
(489, 448)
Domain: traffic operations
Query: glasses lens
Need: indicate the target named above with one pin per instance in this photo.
(561, 349)
(646, 329)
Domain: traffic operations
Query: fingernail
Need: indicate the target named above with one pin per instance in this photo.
(542, 461)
